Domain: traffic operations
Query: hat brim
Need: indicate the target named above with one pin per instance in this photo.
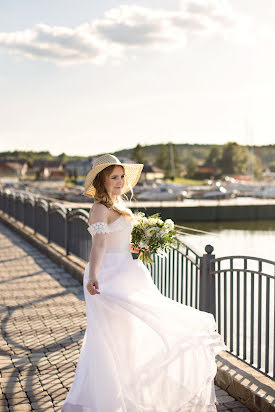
(132, 174)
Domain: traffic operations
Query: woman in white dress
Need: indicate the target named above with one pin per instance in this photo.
(142, 352)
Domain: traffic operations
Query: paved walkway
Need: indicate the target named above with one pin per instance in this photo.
(42, 313)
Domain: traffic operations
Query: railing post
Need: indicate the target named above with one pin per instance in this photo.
(13, 205)
(48, 226)
(23, 209)
(207, 282)
(34, 215)
(66, 232)
(9, 204)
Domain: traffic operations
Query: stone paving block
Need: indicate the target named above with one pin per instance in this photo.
(42, 330)
(20, 408)
(37, 396)
(222, 408)
(19, 401)
(20, 396)
(42, 404)
(235, 404)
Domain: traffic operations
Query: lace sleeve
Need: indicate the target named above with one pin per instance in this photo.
(98, 228)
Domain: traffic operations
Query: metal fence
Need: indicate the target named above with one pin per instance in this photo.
(238, 290)
(245, 295)
(178, 275)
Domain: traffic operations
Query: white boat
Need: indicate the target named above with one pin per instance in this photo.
(265, 192)
(219, 193)
(163, 192)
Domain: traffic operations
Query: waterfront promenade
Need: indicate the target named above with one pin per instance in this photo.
(42, 327)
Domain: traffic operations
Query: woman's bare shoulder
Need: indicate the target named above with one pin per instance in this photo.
(98, 213)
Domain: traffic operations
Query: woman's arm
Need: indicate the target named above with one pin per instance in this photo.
(98, 213)
(96, 254)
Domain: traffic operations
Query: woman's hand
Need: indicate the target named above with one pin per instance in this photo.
(92, 285)
(133, 249)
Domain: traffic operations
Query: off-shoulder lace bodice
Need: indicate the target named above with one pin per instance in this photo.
(118, 234)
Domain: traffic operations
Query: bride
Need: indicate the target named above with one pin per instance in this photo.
(141, 350)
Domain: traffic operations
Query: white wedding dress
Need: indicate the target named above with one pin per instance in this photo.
(142, 352)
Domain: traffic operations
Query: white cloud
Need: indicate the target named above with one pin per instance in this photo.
(58, 44)
(123, 29)
(140, 27)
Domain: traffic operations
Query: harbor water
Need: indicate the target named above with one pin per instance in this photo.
(250, 238)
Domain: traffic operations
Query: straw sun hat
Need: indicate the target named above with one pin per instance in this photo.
(132, 173)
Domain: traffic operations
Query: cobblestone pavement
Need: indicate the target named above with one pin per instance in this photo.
(42, 312)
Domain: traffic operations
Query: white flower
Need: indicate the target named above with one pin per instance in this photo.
(152, 221)
(152, 234)
(142, 245)
(165, 229)
(169, 224)
(148, 231)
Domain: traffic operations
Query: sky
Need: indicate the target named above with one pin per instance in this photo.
(90, 77)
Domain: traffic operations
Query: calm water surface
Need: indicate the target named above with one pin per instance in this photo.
(234, 238)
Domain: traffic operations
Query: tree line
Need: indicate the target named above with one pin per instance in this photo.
(228, 159)
(181, 159)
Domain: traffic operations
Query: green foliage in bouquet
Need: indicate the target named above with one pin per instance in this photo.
(153, 235)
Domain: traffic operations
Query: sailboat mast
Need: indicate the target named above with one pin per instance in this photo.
(251, 160)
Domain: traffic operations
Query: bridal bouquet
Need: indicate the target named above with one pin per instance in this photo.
(153, 235)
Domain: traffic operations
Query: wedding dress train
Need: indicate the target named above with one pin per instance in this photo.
(142, 352)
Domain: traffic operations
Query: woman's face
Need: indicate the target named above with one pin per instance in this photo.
(115, 181)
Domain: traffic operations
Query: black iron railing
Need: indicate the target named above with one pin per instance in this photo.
(244, 312)
(238, 290)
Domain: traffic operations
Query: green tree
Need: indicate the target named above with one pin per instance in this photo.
(234, 159)
(162, 160)
(138, 154)
(271, 166)
(75, 175)
(255, 166)
(258, 167)
(214, 157)
(191, 168)
(174, 160)
(62, 157)
(167, 159)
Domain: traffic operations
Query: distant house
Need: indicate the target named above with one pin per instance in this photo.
(52, 173)
(49, 169)
(81, 167)
(206, 171)
(42, 163)
(14, 167)
(150, 172)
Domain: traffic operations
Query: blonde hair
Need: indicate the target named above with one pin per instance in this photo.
(102, 196)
